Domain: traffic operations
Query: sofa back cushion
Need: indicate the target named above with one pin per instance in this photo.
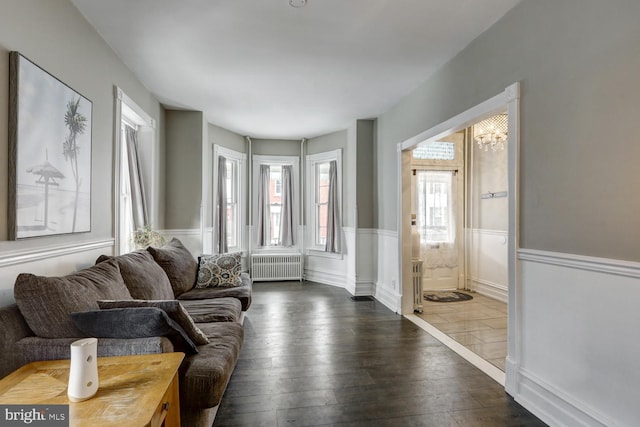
(47, 302)
(178, 263)
(144, 278)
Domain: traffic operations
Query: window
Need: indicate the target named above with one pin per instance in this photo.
(235, 164)
(435, 210)
(274, 200)
(318, 191)
(128, 115)
(435, 150)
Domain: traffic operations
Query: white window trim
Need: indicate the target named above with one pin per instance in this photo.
(127, 111)
(241, 158)
(294, 161)
(311, 161)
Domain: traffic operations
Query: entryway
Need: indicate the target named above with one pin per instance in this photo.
(473, 216)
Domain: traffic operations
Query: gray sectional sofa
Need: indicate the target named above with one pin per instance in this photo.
(156, 287)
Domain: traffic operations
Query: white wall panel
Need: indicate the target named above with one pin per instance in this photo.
(579, 358)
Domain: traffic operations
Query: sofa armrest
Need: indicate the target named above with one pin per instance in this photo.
(32, 349)
(13, 329)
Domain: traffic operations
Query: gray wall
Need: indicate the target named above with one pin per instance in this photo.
(275, 147)
(226, 138)
(578, 62)
(184, 142)
(55, 36)
(364, 175)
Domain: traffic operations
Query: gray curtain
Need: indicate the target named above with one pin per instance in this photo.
(138, 199)
(264, 214)
(333, 216)
(221, 207)
(286, 215)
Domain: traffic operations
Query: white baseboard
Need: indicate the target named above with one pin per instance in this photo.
(490, 289)
(359, 287)
(325, 278)
(389, 298)
(554, 407)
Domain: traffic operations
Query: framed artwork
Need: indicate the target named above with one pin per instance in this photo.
(49, 154)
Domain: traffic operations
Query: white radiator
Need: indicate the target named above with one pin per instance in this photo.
(417, 285)
(276, 267)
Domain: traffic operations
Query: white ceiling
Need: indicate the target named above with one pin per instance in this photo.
(264, 69)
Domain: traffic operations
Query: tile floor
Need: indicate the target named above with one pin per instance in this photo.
(479, 324)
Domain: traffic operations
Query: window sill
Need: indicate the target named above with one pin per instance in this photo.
(323, 254)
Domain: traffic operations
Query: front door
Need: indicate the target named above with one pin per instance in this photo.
(437, 213)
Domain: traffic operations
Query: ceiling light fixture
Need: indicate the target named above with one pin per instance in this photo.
(297, 3)
(491, 133)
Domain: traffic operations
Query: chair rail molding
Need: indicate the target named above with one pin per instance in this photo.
(38, 254)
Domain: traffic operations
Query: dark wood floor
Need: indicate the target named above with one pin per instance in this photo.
(312, 356)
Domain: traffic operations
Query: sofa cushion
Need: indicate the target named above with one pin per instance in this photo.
(205, 376)
(173, 308)
(178, 263)
(144, 278)
(214, 310)
(221, 270)
(133, 322)
(243, 293)
(47, 302)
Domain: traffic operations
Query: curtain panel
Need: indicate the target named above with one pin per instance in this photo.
(333, 215)
(138, 198)
(221, 208)
(264, 210)
(286, 217)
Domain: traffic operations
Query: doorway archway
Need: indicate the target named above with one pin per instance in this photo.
(508, 100)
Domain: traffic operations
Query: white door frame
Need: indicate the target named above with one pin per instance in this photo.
(508, 99)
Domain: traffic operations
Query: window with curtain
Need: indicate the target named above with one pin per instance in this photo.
(233, 206)
(276, 196)
(320, 209)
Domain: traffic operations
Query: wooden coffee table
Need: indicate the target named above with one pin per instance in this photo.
(139, 390)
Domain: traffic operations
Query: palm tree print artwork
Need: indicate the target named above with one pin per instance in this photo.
(50, 154)
(76, 123)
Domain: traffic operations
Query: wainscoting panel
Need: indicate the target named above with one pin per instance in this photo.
(579, 357)
(489, 267)
(388, 290)
(191, 238)
(56, 261)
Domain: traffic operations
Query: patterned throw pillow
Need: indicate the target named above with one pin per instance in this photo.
(221, 270)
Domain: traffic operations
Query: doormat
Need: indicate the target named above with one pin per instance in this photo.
(446, 296)
(361, 298)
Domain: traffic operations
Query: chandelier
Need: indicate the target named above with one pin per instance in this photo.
(491, 133)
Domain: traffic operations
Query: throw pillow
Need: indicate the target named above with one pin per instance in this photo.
(134, 322)
(144, 278)
(173, 308)
(221, 270)
(178, 263)
(47, 302)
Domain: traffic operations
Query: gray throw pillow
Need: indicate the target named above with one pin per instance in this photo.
(135, 322)
(173, 308)
(144, 278)
(222, 270)
(47, 302)
(178, 263)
